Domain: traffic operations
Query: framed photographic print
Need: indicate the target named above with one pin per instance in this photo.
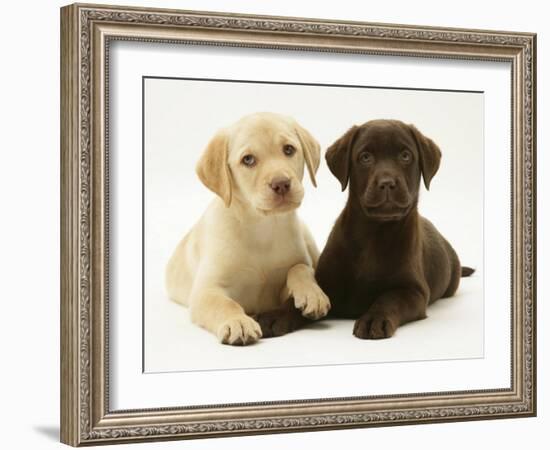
(276, 224)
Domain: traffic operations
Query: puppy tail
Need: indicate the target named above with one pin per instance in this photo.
(467, 271)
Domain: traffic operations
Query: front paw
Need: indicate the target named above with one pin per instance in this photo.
(241, 330)
(375, 325)
(311, 300)
(279, 322)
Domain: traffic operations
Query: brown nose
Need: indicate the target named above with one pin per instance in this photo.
(281, 185)
(386, 183)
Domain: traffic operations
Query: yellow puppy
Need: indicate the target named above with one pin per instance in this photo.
(249, 252)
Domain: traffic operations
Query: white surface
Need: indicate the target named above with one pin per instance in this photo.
(180, 120)
(131, 388)
(30, 320)
(454, 330)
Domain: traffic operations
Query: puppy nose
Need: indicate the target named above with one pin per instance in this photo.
(281, 185)
(386, 183)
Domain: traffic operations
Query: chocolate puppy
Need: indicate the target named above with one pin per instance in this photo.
(384, 263)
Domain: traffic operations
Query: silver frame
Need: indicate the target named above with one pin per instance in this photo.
(86, 32)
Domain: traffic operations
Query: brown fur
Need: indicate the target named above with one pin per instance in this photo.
(384, 263)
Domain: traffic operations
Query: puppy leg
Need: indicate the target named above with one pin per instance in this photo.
(281, 321)
(389, 311)
(223, 316)
(308, 296)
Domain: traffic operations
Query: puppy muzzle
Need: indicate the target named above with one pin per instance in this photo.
(386, 198)
(281, 194)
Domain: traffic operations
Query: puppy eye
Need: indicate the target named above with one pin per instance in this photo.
(405, 156)
(366, 158)
(289, 150)
(248, 160)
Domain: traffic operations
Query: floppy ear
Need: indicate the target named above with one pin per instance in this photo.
(213, 169)
(338, 156)
(312, 151)
(430, 155)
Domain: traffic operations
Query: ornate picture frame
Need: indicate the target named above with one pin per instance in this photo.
(87, 32)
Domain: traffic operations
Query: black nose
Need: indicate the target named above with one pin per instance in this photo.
(281, 185)
(386, 183)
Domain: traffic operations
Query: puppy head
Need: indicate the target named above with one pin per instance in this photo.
(383, 161)
(260, 162)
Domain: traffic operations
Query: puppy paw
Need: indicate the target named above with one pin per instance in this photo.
(278, 323)
(241, 330)
(311, 300)
(374, 326)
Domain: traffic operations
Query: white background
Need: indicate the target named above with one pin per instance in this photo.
(180, 118)
(30, 238)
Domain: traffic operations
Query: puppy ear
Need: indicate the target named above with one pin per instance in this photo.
(312, 151)
(213, 168)
(430, 155)
(338, 156)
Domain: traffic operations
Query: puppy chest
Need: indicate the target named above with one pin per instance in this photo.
(257, 285)
(273, 249)
(258, 289)
(258, 275)
(381, 268)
